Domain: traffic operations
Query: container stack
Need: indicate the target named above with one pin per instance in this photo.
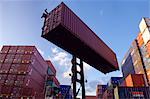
(52, 83)
(145, 46)
(136, 58)
(22, 72)
(135, 66)
(131, 93)
(66, 92)
(135, 80)
(127, 64)
(136, 52)
(108, 94)
(100, 91)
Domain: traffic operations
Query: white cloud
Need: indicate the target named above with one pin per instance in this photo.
(66, 74)
(61, 57)
(62, 60)
(91, 87)
(54, 50)
(86, 66)
(40, 51)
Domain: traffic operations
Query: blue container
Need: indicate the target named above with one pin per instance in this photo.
(66, 91)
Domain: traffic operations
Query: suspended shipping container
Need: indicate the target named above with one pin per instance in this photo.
(145, 23)
(65, 29)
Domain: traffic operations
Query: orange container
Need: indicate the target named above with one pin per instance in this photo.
(140, 40)
(135, 80)
(129, 81)
(148, 49)
(139, 35)
(148, 74)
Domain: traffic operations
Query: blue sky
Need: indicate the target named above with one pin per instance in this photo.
(114, 21)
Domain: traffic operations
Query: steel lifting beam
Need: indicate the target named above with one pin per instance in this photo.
(75, 78)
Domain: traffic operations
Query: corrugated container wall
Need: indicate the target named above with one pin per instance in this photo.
(50, 65)
(145, 23)
(135, 80)
(100, 91)
(22, 69)
(127, 65)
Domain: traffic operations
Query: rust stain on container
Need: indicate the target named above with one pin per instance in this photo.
(66, 30)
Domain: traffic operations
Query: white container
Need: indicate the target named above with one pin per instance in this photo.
(146, 35)
(142, 25)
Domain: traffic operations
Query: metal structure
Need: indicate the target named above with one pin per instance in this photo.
(75, 78)
(65, 29)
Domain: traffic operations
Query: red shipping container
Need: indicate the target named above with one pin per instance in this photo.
(17, 58)
(55, 80)
(9, 58)
(6, 90)
(2, 57)
(23, 68)
(12, 49)
(51, 66)
(16, 92)
(27, 91)
(68, 31)
(10, 80)
(0, 65)
(29, 49)
(21, 50)
(3, 77)
(5, 68)
(40, 60)
(40, 66)
(135, 80)
(26, 58)
(23, 80)
(5, 49)
(8, 61)
(14, 69)
(29, 82)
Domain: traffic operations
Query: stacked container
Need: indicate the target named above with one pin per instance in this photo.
(108, 94)
(52, 83)
(135, 80)
(114, 81)
(100, 91)
(140, 40)
(136, 57)
(145, 48)
(132, 93)
(127, 64)
(22, 72)
(51, 70)
(66, 92)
